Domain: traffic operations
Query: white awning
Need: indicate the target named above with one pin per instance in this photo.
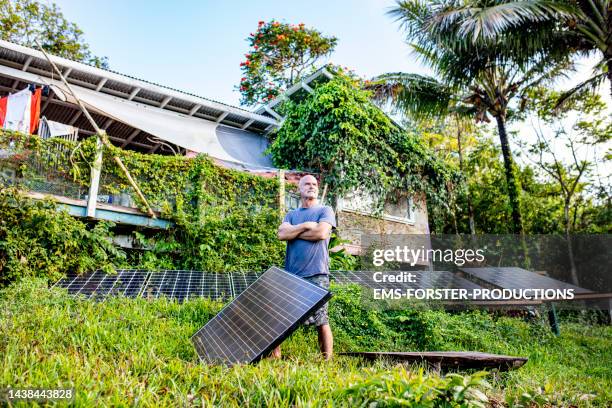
(194, 134)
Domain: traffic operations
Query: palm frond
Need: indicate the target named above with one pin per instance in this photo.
(477, 20)
(412, 16)
(543, 72)
(592, 84)
(413, 94)
(465, 111)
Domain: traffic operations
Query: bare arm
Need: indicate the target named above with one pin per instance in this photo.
(321, 231)
(287, 232)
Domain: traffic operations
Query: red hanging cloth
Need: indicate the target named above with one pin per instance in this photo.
(35, 110)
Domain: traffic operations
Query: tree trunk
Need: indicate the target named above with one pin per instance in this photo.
(455, 225)
(568, 238)
(609, 74)
(511, 180)
(469, 199)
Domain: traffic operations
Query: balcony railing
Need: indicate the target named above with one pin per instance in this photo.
(60, 168)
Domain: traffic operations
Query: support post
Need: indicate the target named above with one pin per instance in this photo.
(94, 181)
(324, 194)
(553, 319)
(102, 136)
(281, 192)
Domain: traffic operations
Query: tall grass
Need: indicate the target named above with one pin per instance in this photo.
(137, 352)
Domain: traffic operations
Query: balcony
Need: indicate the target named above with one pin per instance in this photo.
(50, 173)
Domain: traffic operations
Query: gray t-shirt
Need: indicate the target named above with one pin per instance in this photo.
(308, 258)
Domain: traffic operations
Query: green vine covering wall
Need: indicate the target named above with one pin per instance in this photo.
(339, 133)
(38, 240)
(225, 220)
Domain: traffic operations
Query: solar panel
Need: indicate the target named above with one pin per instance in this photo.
(167, 284)
(518, 278)
(422, 280)
(240, 282)
(174, 284)
(184, 285)
(128, 282)
(258, 319)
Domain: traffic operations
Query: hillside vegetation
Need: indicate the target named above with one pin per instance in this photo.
(137, 351)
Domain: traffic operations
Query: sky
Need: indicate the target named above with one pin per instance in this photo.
(197, 46)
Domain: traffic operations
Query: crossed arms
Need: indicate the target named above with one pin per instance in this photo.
(310, 231)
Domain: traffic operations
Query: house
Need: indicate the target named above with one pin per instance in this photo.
(354, 212)
(151, 118)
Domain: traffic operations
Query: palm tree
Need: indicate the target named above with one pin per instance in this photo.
(422, 98)
(574, 27)
(476, 74)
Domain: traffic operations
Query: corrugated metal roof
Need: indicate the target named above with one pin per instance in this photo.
(300, 85)
(122, 85)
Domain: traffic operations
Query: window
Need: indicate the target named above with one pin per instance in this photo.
(402, 211)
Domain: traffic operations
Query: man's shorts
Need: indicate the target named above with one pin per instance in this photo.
(319, 317)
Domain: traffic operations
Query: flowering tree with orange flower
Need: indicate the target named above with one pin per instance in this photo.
(279, 55)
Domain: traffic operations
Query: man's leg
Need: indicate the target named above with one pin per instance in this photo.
(276, 353)
(326, 341)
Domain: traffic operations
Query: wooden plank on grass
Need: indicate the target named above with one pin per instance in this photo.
(448, 360)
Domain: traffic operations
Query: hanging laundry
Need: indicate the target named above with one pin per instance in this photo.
(35, 110)
(21, 111)
(17, 110)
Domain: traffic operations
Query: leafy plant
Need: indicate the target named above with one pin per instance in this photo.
(405, 388)
(339, 133)
(340, 259)
(38, 239)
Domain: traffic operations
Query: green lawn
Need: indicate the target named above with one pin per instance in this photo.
(136, 351)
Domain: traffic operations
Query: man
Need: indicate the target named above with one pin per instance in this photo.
(307, 231)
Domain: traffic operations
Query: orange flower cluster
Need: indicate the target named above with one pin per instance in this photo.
(270, 36)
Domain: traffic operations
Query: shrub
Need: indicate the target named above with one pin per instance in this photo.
(38, 239)
(407, 388)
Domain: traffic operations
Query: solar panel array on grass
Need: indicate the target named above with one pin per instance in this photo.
(188, 284)
(422, 280)
(100, 285)
(518, 278)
